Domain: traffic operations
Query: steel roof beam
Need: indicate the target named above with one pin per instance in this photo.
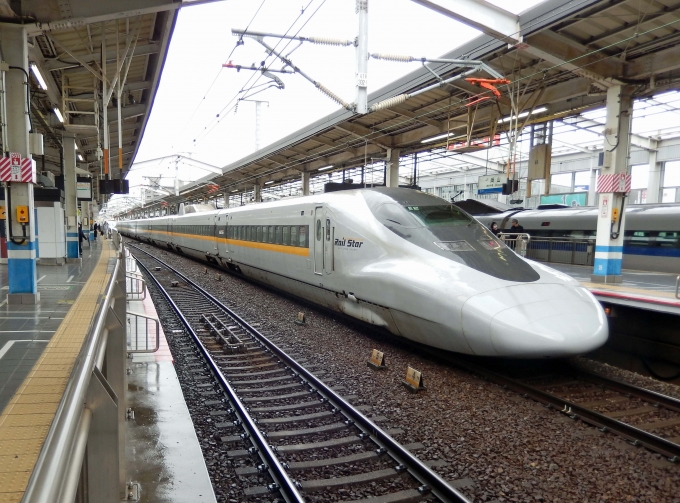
(481, 15)
(576, 58)
(653, 64)
(364, 133)
(55, 64)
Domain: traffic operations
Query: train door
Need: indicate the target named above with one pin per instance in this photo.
(329, 240)
(217, 233)
(319, 239)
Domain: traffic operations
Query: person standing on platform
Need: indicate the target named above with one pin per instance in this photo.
(515, 228)
(81, 236)
(95, 228)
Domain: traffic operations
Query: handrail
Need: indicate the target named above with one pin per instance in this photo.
(677, 287)
(49, 474)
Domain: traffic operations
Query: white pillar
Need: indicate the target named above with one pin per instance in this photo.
(362, 57)
(392, 174)
(610, 230)
(654, 177)
(21, 241)
(592, 185)
(70, 202)
(257, 193)
(305, 183)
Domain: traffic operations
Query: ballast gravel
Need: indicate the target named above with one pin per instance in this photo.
(494, 444)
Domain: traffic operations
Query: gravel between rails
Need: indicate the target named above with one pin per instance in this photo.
(501, 447)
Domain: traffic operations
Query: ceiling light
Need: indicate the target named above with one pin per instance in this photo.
(80, 157)
(326, 167)
(234, 191)
(38, 76)
(438, 137)
(58, 114)
(270, 181)
(523, 114)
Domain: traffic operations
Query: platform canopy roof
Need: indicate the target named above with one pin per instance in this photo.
(65, 45)
(566, 57)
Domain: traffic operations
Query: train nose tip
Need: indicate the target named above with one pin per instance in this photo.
(549, 329)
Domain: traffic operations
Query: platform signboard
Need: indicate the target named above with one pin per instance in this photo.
(491, 184)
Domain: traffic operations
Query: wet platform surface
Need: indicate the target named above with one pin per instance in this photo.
(162, 450)
(648, 290)
(25, 330)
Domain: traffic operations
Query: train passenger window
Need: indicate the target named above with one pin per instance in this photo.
(668, 239)
(319, 234)
(271, 234)
(303, 236)
(259, 233)
(286, 235)
(265, 234)
(328, 229)
(294, 235)
(640, 238)
(278, 235)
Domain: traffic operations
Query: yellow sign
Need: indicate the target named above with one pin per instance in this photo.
(377, 358)
(22, 214)
(3, 214)
(414, 378)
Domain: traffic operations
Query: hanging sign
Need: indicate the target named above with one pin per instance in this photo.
(489, 184)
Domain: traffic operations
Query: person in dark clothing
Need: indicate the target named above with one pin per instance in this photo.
(515, 228)
(494, 228)
(81, 236)
(95, 228)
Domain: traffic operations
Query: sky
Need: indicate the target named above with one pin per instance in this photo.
(194, 113)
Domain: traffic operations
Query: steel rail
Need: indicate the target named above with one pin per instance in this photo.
(284, 483)
(635, 435)
(668, 402)
(429, 480)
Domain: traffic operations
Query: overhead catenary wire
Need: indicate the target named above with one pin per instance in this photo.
(378, 133)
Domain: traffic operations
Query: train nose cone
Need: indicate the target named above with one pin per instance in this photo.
(550, 321)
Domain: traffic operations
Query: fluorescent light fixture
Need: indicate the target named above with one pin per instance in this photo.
(270, 181)
(80, 157)
(234, 191)
(38, 76)
(523, 114)
(325, 167)
(58, 114)
(438, 137)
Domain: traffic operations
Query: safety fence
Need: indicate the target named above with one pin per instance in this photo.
(576, 251)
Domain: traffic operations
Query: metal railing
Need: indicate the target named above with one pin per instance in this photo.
(677, 287)
(135, 287)
(91, 414)
(518, 242)
(140, 327)
(562, 250)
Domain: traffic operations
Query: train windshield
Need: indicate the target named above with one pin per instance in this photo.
(444, 229)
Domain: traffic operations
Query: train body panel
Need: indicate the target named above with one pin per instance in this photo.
(398, 259)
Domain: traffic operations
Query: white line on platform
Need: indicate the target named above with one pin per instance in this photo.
(3, 302)
(41, 278)
(9, 344)
(69, 278)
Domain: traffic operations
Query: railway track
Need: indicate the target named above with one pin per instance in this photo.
(641, 416)
(278, 420)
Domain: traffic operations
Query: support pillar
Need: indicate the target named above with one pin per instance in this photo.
(654, 177)
(392, 172)
(21, 245)
(610, 230)
(592, 184)
(70, 201)
(305, 183)
(257, 193)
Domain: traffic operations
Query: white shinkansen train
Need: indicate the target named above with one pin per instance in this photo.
(399, 259)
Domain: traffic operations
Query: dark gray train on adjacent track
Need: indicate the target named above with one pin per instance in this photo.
(651, 235)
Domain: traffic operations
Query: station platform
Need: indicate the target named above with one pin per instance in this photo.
(654, 291)
(162, 451)
(40, 346)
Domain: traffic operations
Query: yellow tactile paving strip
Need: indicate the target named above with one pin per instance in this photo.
(26, 419)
